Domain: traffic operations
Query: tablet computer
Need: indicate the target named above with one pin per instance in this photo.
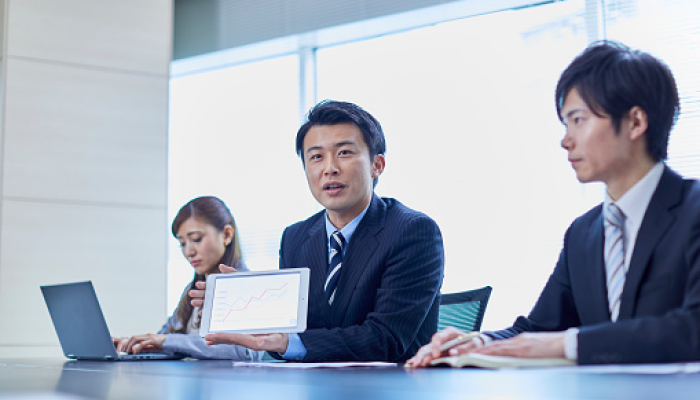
(256, 302)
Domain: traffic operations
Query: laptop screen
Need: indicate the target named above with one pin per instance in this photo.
(80, 324)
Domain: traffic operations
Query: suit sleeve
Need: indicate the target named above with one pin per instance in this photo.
(409, 285)
(555, 309)
(666, 324)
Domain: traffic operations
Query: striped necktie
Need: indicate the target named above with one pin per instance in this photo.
(337, 243)
(614, 222)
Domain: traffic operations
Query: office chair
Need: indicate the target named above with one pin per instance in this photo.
(464, 310)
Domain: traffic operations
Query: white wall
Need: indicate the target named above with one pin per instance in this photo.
(83, 154)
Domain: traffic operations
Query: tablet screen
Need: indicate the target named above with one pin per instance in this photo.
(256, 302)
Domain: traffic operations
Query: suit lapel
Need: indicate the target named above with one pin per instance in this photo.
(361, 247)
(596, 286)
(318, 251)
(657, 220)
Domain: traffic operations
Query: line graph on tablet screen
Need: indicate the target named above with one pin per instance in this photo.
(255, 302)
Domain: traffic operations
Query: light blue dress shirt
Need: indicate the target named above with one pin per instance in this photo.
(295, 348)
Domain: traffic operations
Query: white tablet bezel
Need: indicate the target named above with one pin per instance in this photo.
(302, 300)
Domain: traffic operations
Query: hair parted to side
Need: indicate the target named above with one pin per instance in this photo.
(214, 212)
(611, 78)
(332, 112)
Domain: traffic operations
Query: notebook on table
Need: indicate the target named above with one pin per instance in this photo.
(497, 362)
(81, 326)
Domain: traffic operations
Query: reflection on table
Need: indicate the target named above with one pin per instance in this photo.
(194, 379)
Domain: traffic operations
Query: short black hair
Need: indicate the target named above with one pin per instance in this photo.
(331, 112)
(611, 78)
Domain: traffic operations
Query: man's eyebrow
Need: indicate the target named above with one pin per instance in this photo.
(313, 148)
(570, 113)
(345, 143)
(336, 145)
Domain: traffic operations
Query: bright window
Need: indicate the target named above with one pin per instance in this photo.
(473, 140)
(472, 136)
(232, 136)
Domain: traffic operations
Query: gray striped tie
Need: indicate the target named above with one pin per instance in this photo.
(614, 223)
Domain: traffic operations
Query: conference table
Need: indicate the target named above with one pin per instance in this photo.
(202, 379)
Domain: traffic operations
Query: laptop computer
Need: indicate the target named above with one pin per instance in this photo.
(81, 326)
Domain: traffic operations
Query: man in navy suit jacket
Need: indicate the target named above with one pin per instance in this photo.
(618, 106)
(386, 302)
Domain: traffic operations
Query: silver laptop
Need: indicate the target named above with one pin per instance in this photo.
(81, 326)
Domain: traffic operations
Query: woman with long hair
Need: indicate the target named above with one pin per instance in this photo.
(208, 237)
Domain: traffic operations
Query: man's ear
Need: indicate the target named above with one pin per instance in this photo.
(378, 165)
(638, 122)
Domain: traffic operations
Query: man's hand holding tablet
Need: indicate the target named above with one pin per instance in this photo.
(276, 342)
(254, 342)
(254, 309)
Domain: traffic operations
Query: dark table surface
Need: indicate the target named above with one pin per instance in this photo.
(53, 378)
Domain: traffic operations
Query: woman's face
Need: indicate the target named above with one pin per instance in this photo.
(203, 245)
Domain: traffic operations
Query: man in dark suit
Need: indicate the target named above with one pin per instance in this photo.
(626, 288)
(375, 296)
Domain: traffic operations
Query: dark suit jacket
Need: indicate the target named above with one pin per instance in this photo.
(387, 298)
(659, 317)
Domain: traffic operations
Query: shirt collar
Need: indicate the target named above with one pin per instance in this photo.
(348, 229)
(635, 201)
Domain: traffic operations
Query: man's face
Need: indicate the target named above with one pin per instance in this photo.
(339, 170)
(596, 151)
